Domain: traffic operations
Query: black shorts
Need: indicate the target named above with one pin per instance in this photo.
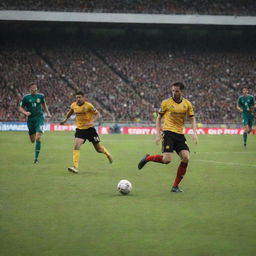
(88, 134)
(173, 141)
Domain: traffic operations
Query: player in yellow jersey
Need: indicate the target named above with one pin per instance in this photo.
(173, 112)
(86, 115)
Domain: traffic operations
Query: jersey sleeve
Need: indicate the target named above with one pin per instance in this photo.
(92, 108)
(72, 106)
(162, 109)
(190, 111)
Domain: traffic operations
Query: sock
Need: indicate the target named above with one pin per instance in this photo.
(180, 173)
(76, 158)
(105, 151)
(37, 149)
(155, 158)
(245, 137)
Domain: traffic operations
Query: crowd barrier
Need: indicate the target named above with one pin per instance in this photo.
(143, 130)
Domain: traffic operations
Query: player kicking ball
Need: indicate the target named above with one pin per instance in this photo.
(173, 112)
(86, 115)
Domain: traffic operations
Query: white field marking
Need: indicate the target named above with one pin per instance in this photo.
(226, 163)
(219, 152)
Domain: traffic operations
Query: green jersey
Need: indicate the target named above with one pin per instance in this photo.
(246, 103)
(33, 104)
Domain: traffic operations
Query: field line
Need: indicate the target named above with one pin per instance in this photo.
(225, 152)
(226, 163)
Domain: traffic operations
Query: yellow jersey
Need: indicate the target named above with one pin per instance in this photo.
(84, 114)
(174, 114)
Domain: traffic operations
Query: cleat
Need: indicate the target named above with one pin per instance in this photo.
(143, 161)
(36, 161)
(245, 145)
(176, 189)
(73, 169)
(110, 159)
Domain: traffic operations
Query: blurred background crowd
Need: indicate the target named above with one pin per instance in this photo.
(126, 76)
(217, 7)
(126, 80)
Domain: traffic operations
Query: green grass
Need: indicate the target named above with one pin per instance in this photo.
(45, 210)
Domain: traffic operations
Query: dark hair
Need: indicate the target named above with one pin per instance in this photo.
(180, 85)
(32, 83)
(245, 87)
(79, 93)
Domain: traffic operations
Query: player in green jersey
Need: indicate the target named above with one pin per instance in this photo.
(245, 105)
(33, 106)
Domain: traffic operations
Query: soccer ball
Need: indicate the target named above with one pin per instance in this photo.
(124, 187)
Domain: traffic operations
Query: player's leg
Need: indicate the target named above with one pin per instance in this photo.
(31, 131)
(94, 138)
(76, 154)
(246, 127)
(38, 137)
(181, 171)
(32, 137)
(164, 158)
(101, 149)
(39, 132)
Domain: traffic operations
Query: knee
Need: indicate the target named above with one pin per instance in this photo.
(166, 160)
(185, 159)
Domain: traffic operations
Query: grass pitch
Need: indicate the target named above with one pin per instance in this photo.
(47, 211)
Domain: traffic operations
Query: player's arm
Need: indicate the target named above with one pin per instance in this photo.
(238, 106)
(68, 115)
(158, 128)
(46, 110)
(23, 111)
(194, 126)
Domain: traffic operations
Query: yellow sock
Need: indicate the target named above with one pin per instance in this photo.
(105, 151)
(76, 158)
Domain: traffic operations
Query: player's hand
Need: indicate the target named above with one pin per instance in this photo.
(48, 115)
(158, 139)
(27, 113)
(195, 138)
(62, 122)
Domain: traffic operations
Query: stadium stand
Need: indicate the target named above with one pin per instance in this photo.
(206, 7)
(125, 80)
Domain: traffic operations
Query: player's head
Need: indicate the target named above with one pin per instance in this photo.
(245, 90)
(33, 88)
(177, 89)
(80, 98)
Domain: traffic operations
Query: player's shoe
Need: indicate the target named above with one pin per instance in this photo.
(176, 189)
(245, 145)
(73, 169)
(36, 161)
(143, 161)
(110, 158)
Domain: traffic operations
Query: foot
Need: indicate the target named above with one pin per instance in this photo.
(73, 169)
(110, 159)
(143, 161)
(245, 145)
(176, 189)
(36, 161)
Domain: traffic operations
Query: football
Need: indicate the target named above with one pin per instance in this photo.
(124, 187)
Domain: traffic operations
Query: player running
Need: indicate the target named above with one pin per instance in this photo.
(245, 105)
(86, 115)
(31, 106)
(173, 111)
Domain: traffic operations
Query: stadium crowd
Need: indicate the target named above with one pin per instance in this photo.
(217, 7)
(125, 82)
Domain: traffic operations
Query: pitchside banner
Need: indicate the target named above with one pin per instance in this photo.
(147, 130)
